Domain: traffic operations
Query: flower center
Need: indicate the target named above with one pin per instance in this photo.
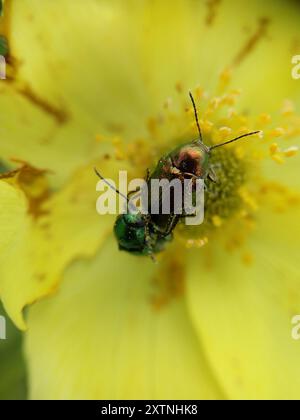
(231, 201)
(222, 197)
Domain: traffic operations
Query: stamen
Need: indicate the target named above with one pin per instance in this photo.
(264, 118)
(276, 132)
(291, 151)
(217, 220)
(278, 158)
(274, 148)
(248, 258)
(288, 109)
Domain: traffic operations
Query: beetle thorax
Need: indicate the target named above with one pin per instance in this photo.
(191, 159)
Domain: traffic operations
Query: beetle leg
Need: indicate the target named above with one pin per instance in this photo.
(153, 258)
(184, 215)
(148, 239)
(133, 192)
(182, 176)
(216, 165)
(212, 176)
(173, 221)
(147, 175)
(138, 190)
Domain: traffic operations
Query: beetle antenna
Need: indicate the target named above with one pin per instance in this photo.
(196, 116)
(233, 140)
(110, 186)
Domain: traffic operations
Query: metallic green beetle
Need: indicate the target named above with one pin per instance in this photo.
(148, 234)
(140, 236)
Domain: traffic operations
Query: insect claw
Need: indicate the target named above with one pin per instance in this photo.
(153, 258)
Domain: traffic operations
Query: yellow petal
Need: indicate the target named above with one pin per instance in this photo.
(271, 27)
(34, 136)
(101, 337)
(67, 85)
(243, 312)
(41, 249)
(13, 206)
(287, 174)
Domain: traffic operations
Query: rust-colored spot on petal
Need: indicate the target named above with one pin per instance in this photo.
(169, 281)
(59, 114)
(212, 9)
(33, 182)
(253, 41)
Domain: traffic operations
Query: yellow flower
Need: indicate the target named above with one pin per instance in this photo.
(104, 83)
